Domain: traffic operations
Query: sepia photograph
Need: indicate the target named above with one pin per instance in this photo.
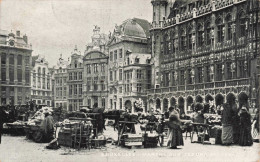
(129, 80)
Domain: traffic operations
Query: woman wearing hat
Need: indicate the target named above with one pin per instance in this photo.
(245, 138)
(175, 133)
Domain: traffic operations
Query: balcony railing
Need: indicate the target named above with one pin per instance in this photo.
(208, 85)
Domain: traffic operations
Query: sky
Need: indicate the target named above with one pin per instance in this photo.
(54, 27)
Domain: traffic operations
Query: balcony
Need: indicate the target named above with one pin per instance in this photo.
(181, 88)
(220, 84)
(209, 85)
(190, 87)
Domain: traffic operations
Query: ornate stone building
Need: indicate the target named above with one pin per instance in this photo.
(128, 65)
(95, 70)
(41, 81)
(204, 50)
(15, 67)
(75, 80)
(61, 89)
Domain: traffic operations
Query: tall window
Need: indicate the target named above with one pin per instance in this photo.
(19, 75)
(70, 90)
(80, 75)
(208, 33)
(75, 89)
(242, 24)
(173, 79)
(3, 74)
(75, 76)
(220, 27)
(219, 72)
(121, 103)
(138, 74)
(139, 87)
(88, 83)
(111, 75)
(70, 76)
(80, 89)
(19, 60)
(166, 81)
(103, 101)
(27, 76)
(11, 74)
(120, 74)
(3, 58)
(111, 56)
(182, 77)
(241, 66)
(115, 75)
(120, 53)
(189, 81)
(183, 40)
(115, 55)
(11, 59)
(229, 73)
(207, 73)
(95, 68)
(95, 85)
(189, 39)
(200, 75)
(27, 60)
(89, 69)
(229, 27)
(103, 67)
(166, 46)
(200, 35)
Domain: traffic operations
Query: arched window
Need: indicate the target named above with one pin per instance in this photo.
(189, 38)
(208, 33)
(229, 27)
(183, 40)
(200, 35)
(242, 24)
(43, 71)
(220, 28)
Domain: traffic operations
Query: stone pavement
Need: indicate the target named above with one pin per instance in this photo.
(23, 150)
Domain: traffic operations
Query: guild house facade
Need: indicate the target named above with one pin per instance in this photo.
(129, 64)
(95, 71)
(204, 50)
(41, 81)
(15, 67)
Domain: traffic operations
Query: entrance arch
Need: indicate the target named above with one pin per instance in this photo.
(243, 99)
(231, 99)
(173, 102)
(189, 103)
(181, 105)
(208, 98)
(158, 104)
(219, 99)
(128, 105)
(199, 99)
(165, 105)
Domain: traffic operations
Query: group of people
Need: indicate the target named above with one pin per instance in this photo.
(236, 125)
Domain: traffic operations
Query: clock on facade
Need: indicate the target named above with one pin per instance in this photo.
(11, 42)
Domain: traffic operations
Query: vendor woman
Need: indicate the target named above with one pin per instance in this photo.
(175, 133)
(227, 121)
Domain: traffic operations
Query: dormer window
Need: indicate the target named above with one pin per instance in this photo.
(148, 61)
(137, 60)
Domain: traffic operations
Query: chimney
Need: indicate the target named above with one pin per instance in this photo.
(18, 33)
(25, 39)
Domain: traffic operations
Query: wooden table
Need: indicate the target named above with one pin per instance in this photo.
(122, 128)
(196, 126)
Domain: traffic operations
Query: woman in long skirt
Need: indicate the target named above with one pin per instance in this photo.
(175, 134)
(245, 128)
(227, 121)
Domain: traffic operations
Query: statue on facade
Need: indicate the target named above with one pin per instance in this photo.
(223, 68)
(212, 33)
(192, 75)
